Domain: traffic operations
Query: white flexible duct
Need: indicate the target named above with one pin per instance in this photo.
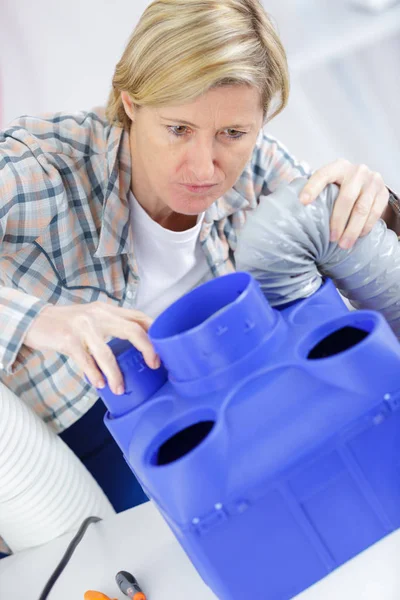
(45, 490)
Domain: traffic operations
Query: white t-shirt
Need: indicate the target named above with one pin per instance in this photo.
(170, 263)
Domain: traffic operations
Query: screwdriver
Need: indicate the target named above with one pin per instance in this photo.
(129, 586)
(93, 595)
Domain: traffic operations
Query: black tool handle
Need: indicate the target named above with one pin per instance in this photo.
(127, 583)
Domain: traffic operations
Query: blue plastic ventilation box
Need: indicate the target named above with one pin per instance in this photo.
(269, 440)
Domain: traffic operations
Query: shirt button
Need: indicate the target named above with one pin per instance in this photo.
(130, 293)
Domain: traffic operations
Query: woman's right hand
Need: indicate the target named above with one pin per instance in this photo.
(80, 331)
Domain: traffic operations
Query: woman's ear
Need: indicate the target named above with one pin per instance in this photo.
(128, 105)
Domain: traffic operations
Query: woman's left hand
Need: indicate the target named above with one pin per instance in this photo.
(362, 199)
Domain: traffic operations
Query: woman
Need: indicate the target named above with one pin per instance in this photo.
(109, 216)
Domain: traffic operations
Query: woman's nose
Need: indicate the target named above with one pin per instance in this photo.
(201, 161)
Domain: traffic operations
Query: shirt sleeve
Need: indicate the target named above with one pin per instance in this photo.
(29, 193)
(391, 215)
(273, 165)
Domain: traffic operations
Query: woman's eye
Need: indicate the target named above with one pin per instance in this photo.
(181, 130)
(178, 130)
(234, 134)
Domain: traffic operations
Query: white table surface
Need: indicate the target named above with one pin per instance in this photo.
(139, 541)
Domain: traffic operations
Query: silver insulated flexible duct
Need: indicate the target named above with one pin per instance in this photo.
(286, 247)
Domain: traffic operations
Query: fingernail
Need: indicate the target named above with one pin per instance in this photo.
(304, 198)
(156, 363)
(346, 243)
(334, 235)
(100, 384)
(120, 390)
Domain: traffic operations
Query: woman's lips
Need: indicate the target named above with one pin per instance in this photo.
(198, 188)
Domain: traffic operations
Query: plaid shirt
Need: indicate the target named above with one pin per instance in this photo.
(65, 238)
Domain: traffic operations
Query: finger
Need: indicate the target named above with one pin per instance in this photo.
(126, 313)
(349, 194)
(137, 336)
(136, 316)
(83, 359)
(335, 172)
(145, 321)
(377, 210)
(106, 361)
(357, 220)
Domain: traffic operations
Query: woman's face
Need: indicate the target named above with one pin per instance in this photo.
(184, 157)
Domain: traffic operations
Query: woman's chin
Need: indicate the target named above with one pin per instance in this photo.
(190, 204)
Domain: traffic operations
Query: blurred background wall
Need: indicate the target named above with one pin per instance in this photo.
(344, 63)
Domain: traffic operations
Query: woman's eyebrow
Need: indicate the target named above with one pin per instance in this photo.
(183, 122)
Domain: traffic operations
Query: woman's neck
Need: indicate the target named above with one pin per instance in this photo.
(176, 221)
(166, 217)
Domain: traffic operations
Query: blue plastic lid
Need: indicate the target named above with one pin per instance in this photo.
(140, 381)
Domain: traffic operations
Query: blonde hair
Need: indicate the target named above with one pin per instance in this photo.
(182, 48)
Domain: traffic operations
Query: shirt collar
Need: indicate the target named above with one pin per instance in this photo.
(115, 234)
(232, 201)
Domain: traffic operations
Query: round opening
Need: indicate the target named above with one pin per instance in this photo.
(198, 305)
(183, 442)
(338, 341)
